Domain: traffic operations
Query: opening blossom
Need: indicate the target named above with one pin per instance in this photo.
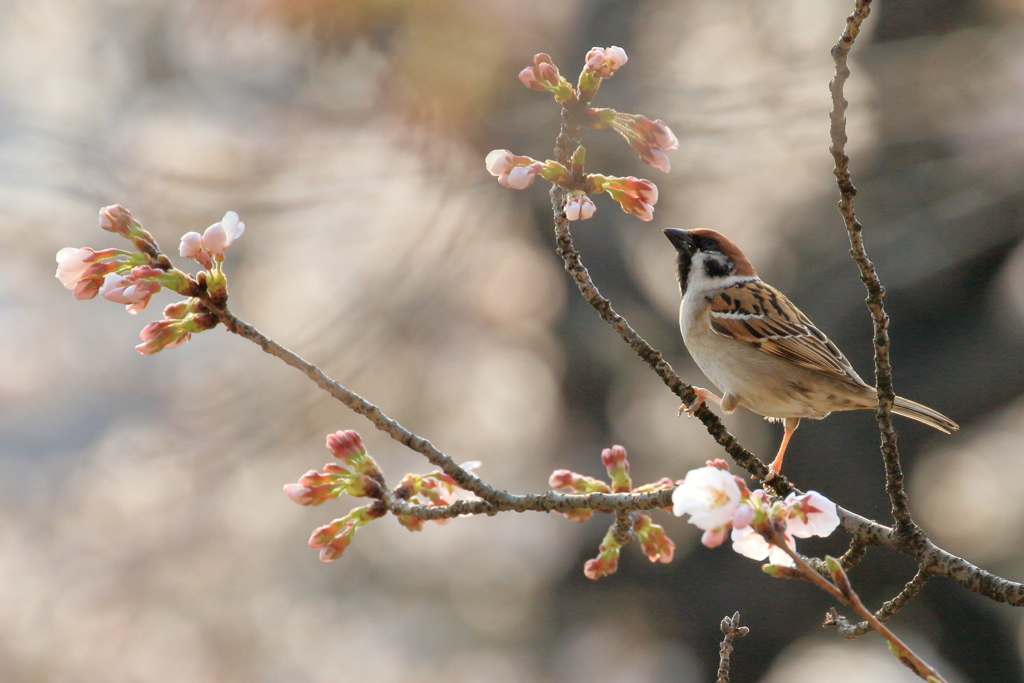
(220, 235)
(709, 495)
(718, 502)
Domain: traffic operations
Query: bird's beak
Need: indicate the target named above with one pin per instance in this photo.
(681, 240)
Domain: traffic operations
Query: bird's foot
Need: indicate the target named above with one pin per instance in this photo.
(702, 396)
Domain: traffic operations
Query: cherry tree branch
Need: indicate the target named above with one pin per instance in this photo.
(885, 612)
(907, 530)
(841, 589)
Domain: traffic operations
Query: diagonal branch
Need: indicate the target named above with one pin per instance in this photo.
(907, 530)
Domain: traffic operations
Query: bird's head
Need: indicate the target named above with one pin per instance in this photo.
(707, 259)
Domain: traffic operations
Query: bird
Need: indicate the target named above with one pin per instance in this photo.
(759, 349)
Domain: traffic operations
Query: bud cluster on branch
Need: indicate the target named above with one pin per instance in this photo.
(651, 139)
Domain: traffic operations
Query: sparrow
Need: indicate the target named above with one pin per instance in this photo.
(759, 349)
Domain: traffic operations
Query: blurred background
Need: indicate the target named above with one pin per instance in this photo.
(143, 532)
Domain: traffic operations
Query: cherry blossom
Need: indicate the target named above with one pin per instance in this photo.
(709, 495)
(222, 234)
(811, 514)
(749, 543)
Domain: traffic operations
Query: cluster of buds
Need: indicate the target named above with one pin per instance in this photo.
(719, 502)
(651, 139)
(579, 207)
(132, 278)
(600, 63)
(544, 76)
(333, 538)
(434, 488)
(654, 543)
(181, 320)
(357, 475)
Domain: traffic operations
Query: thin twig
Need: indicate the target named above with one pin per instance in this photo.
(732, 630)
(906, 529)
(885, 612)
(843, 591)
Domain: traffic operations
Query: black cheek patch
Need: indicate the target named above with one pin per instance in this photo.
(715, 268)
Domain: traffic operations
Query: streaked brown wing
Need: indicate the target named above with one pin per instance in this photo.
(760, 315)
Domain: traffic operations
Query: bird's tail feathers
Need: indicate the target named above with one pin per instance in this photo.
(924, 414)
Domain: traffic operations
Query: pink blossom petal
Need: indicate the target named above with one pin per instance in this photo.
(191, 243)
(499, 162)
(521, 177)
(712, 538)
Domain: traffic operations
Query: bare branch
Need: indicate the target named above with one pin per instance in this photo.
(907, 530)
(732, 630)
(889, 608)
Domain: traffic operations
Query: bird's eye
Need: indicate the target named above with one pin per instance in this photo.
(710, 244)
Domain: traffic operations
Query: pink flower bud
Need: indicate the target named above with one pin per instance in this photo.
(580, 207)
(499, 162)
(191, 243)
(616, 57)
(87, 288)
(712, 538)
(177, 310)
(325, 534)
(162, 334)
(222, 234)
(333, 550)
(528, 77)
(115, 218)
(344, 444)
(600, 566)
(72, 264)
(595, 59)
(135, 295)
(614, 457)
(719, 463)
(663, 135)
(548, 74)
(299, 494)
(521, 177)
(562, 479)
(743, 517)
(657, 159)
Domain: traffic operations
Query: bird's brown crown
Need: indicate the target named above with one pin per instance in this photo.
(744, 267)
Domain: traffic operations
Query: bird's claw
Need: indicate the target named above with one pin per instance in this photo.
(691, 409)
